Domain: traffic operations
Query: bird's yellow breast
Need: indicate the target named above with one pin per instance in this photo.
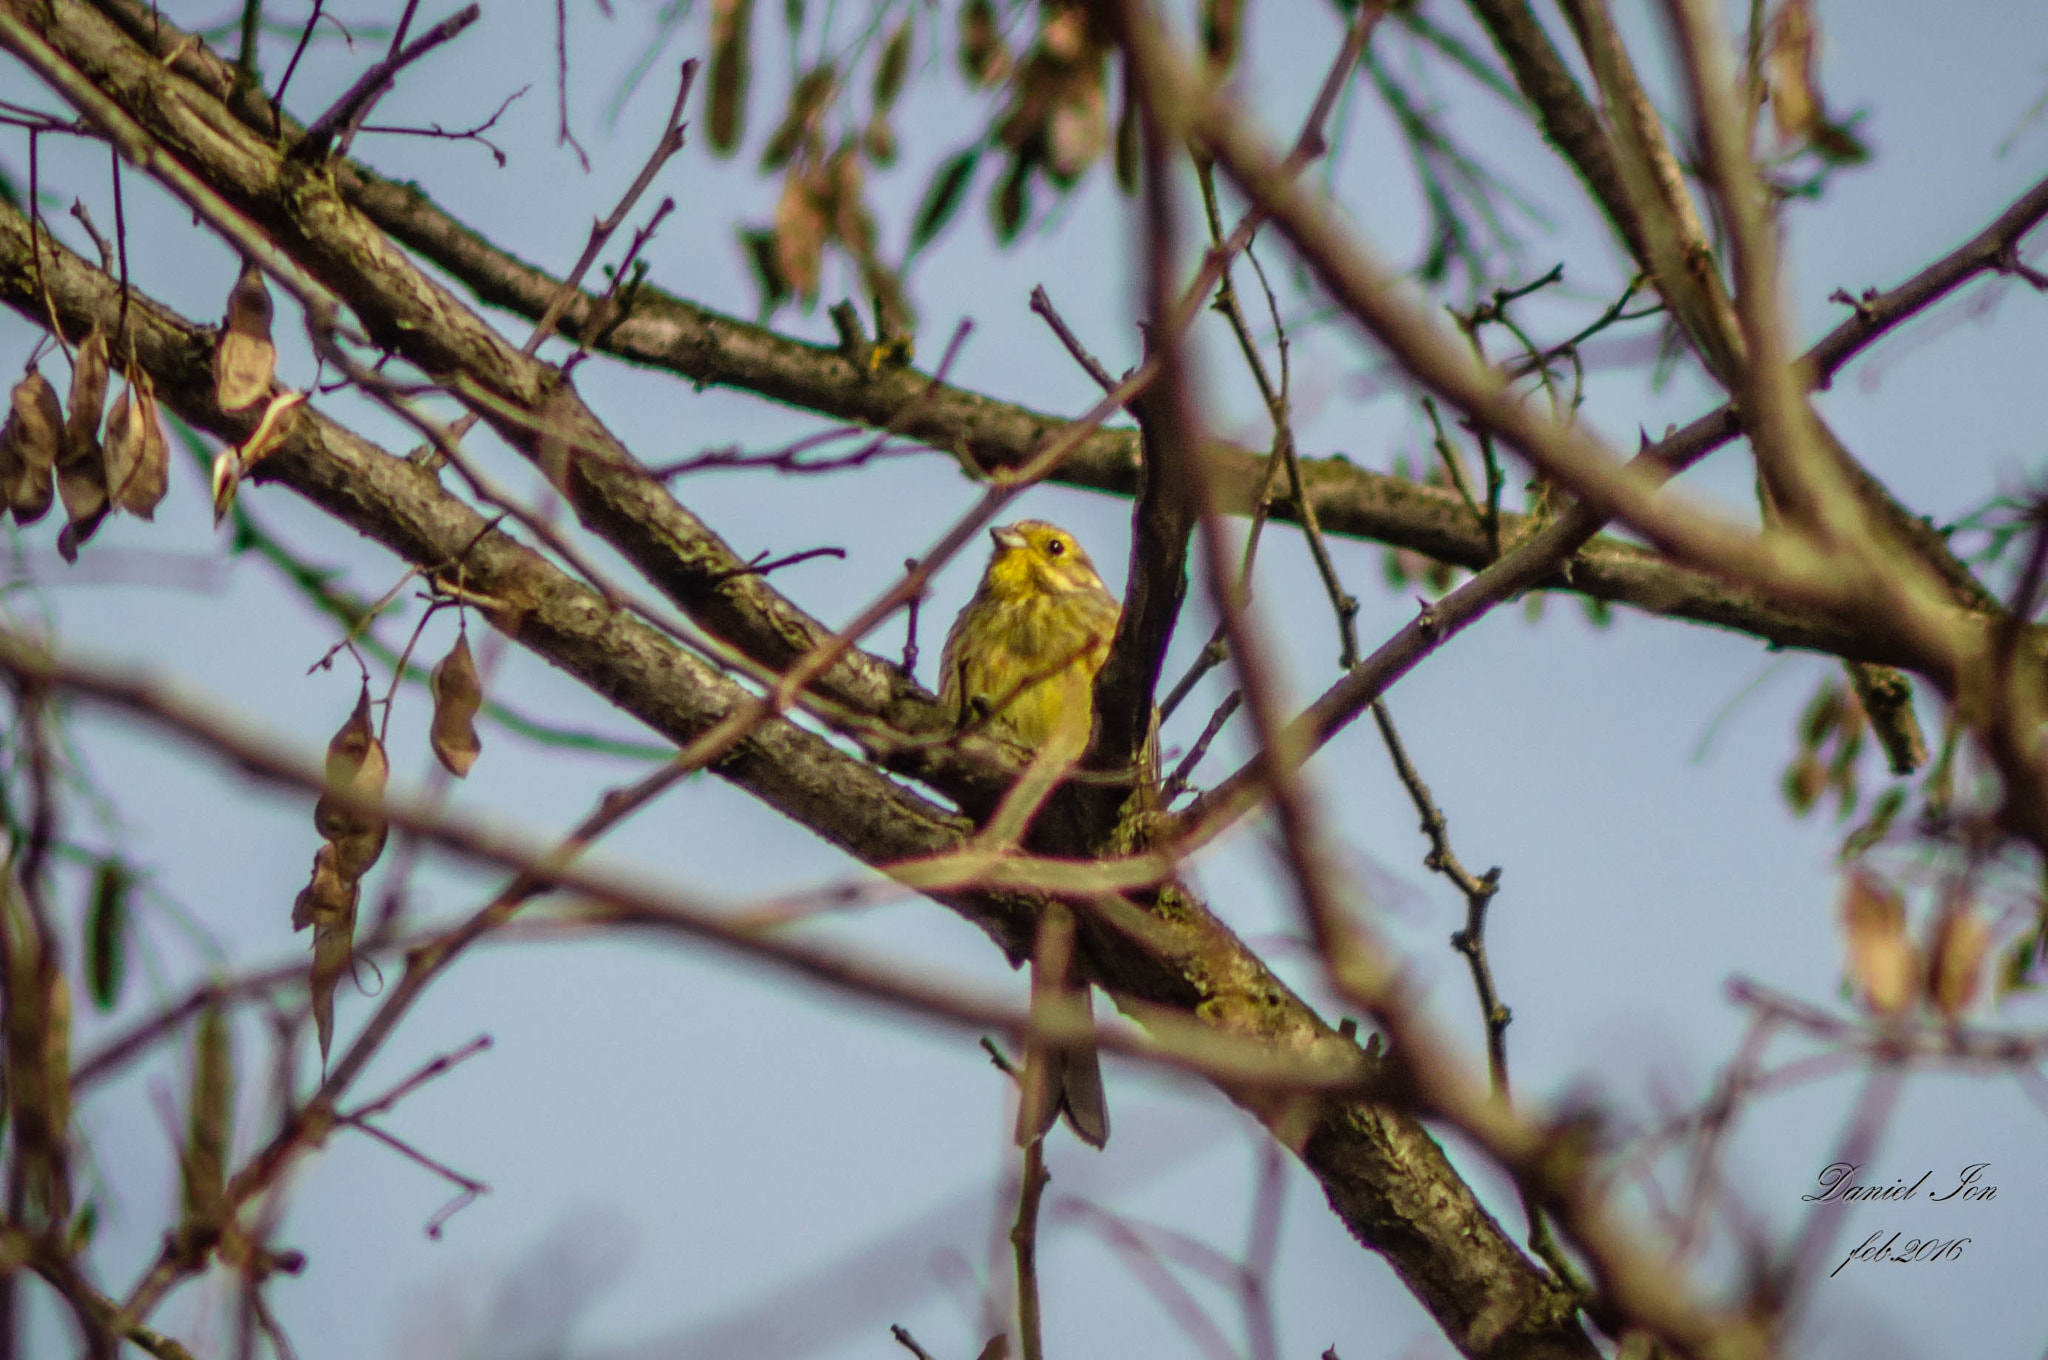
(1031, 660)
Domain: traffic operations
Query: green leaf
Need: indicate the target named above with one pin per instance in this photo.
(106, 932)
(732, 23)
(1838, 144)
(1874, 828)
(891, 68)
(942, 197)
(1011, 206)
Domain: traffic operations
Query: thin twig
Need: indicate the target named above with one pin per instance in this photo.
(1024, 1242)
(363, 95)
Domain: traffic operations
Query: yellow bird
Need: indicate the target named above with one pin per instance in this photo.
(1022, 656)
(1024, 652)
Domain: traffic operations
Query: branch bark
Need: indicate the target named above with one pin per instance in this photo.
(707, 347)
(1384, 1175)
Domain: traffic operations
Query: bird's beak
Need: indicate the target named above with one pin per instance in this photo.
(1007, 539)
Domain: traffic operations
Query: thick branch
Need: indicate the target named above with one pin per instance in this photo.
(708, 347)
(1386, 1178)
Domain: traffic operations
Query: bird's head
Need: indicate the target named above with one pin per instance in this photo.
(1033, 557)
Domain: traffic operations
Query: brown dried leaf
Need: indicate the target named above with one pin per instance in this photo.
(852, 224)
(1789, 72)
(983, 57)
(209, 1113)
(1882, 962)
(1078, 131)
(1064, 34)
(1956, 963)
(244, 359)
(458, 695)
(800, 229)
(798, 130)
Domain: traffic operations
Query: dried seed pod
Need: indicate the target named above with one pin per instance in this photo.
(29, 446)
(122, 445)
(328, 896)
(81, 463)
(458, 694)
(244, 359)
(357, 768)
(357, 851)
(209, 1114)
(333, 951)
(138, 455)
(88, 399)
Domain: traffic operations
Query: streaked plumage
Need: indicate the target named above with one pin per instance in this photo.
(1024, 652)
(1022, 657)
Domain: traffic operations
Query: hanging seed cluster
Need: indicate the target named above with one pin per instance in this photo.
(46, 447)
(51, 450)
(458, 697)
(357, 772)
(353, 834)
(244, 371)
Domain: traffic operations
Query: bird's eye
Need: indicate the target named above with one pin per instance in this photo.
(1054, 548)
